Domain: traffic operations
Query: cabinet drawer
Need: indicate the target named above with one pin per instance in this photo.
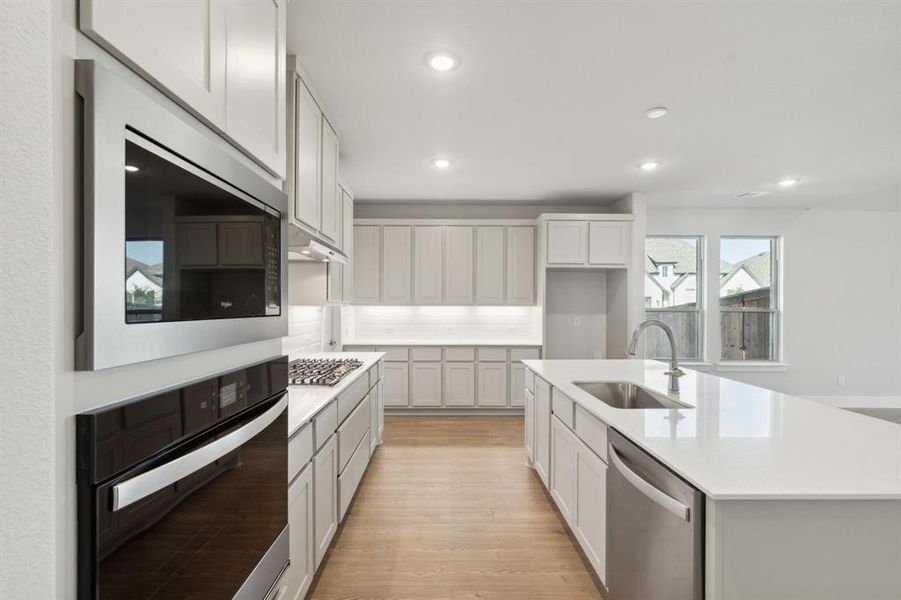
(395, 354)
(562, 406)
(459, 354)
(524, 354)
(592, 431)
(352, 396)
(530, 381)
(493, 354)
(300, 450)
(325, 423)
(351, 432)
(350, 479)
(425, 354)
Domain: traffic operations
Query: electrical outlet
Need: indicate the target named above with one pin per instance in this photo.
(577, 322)
(840, 380)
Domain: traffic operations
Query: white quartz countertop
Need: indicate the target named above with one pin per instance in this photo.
(442, 342)
(741, 441)
(304, 401)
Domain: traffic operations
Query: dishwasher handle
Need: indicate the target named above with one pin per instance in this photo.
(652, 492)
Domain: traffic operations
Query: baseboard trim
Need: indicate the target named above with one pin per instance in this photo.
(452, 412)
(858, 401)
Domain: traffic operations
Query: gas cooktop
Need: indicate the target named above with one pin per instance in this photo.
(320, 371)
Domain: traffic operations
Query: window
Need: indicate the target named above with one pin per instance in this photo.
(673, 284)
(749, 307)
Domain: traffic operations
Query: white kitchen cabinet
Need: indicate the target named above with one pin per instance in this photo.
(563, 469)
(520, 265)
(396, 264)
(325, 493)
(517, 384)
(395, 384)
(458, 263)
(330, 226)
(255, 78)
(300, 521)
(335, 282)
(567, 242)
(608, 243)
(459, 384)
(529, 424)
(367, 263)
(307, 182)
(347, 245)
(589, 522)
(425, 383)
(541, 444)
(222, 61)
(489, 265)
(179, 46)
(428, 260)
(492, 384)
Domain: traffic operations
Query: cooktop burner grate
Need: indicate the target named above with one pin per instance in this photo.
(321, 371)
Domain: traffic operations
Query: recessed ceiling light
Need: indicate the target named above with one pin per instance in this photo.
(789, 182)
(132, 168)
(649, 165)
(441, 163)
(442, 61)
(307, 252)
(656, 112)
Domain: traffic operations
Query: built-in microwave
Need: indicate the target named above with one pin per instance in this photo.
(184, 246)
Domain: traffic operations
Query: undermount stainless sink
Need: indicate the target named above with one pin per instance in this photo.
(624, 394)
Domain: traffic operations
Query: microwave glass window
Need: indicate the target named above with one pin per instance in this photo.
(194, 250)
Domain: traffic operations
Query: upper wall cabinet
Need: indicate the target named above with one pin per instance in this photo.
(331, 199)
(222, 60)
(255, 79)
(520, 265)
(588, 243)
(315, 196)
(452, 265)
(347, 244)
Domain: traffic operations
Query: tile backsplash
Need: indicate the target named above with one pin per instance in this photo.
(442, 322)
(304, 331)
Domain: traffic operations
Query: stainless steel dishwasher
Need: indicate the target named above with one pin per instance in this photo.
(655, 528)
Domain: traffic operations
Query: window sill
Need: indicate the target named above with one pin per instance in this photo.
(762, 367)
(696, 365)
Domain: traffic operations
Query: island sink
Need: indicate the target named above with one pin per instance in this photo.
(625, 394)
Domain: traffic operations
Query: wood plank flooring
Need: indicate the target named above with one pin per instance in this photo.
(449, 510)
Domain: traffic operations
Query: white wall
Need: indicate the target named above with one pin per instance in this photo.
(40, 271)
(28, 260)
(841, 293)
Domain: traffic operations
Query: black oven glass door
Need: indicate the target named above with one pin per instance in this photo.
(200, 536)
(195, 247)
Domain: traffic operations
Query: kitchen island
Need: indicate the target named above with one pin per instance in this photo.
(802, 500)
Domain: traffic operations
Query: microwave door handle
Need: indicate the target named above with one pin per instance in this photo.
(652, 492)
(139, 487)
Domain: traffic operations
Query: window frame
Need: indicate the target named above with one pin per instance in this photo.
(776, 304)
(700, 295)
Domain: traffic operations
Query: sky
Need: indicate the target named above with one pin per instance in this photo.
(737, 249)
(149, 252)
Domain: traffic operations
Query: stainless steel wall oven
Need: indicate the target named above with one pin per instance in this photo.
(184, 494)
(185, 247)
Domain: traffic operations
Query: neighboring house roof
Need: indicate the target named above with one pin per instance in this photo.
(757, 266)
(152, 272)
(677, 252)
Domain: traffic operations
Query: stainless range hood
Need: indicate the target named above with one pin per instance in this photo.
(305, 246)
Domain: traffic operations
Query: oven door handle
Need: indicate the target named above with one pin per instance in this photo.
(139, 487)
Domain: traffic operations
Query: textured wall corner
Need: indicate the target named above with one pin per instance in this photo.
(28, 238)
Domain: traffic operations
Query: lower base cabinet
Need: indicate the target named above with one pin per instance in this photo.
(459, 384)
(563, 469)
(325, 505)
(300, 521)
(590, 520)
(542, 414)
(492, 384)
(425, 383)
(529, 424)
(395, 384)
(350, 477)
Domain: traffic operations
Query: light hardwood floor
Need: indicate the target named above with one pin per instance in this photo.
(449, 509)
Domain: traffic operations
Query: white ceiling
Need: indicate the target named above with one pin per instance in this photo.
(548, 102)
